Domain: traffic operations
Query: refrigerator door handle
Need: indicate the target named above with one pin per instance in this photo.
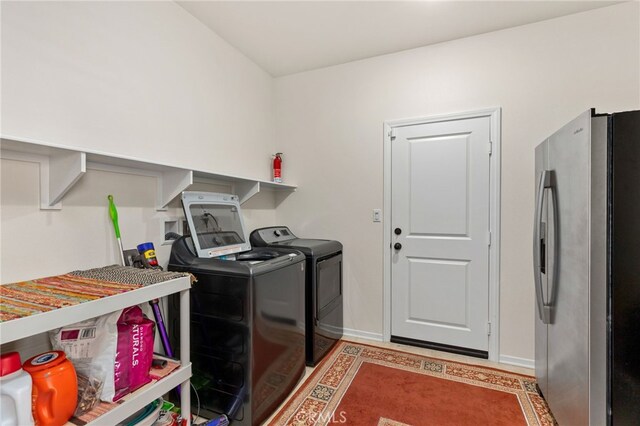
(539, 243)
(552, 249)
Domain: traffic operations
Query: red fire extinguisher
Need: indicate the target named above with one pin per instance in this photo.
(277, 167)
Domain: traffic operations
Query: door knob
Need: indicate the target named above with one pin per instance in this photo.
(397, 246)
(398, 231)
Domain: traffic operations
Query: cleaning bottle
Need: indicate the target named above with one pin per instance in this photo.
(15, 392)
(55, 387)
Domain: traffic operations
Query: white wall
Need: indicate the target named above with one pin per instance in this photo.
(142, 79)
(147, 80)
(139, 78)
(329, 125)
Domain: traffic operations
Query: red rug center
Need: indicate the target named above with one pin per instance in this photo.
(401, 396)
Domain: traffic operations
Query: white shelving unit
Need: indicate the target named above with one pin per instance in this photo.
(61, 167)
(39, 323)
(144, 396)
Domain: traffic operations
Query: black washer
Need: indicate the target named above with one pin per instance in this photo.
(247, 330)
(323, 289)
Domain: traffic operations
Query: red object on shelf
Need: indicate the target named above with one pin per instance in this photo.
(9, 363)
(159, 373)
(277, 167)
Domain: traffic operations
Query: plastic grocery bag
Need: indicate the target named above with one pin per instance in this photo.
(92, 342)
(117, 347)
(90, 382)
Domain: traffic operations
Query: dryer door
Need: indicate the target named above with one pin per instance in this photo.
(328, 286)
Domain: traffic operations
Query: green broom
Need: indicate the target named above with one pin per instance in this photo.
(114, 218)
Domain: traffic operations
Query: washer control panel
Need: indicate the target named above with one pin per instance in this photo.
(272, 235)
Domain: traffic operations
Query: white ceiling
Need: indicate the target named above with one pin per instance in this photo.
(285, 37)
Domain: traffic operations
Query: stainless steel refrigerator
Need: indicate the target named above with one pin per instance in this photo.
(586, 249)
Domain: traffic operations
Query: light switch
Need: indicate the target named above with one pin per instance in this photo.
(377, 215)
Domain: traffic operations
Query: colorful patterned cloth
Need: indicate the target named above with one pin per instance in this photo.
(45, 294)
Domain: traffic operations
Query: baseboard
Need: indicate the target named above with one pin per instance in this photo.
(517, 361)
(350, 332)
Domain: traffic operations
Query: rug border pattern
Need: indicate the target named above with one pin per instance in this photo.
(290, 414)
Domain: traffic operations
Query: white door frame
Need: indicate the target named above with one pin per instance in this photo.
(494, 219)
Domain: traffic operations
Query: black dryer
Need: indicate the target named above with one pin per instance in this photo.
(323, 289)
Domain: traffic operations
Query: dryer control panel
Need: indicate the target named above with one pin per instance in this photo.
(271, 235)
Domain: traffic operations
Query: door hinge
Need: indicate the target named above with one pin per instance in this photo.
(488, 328)
(490, 147)
(489, 238)
(392, 133)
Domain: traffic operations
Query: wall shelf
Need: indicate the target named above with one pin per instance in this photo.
(61, 167)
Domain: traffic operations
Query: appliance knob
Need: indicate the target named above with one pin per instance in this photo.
(397, 246)
(398, 231)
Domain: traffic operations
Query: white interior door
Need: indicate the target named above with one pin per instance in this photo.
(440, 200)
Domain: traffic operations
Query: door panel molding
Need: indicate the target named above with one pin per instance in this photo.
(456, 222)
(494, 216)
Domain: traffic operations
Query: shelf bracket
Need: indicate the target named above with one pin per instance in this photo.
(170, 184)
(58, 173)
(65, 169)
(246, 190)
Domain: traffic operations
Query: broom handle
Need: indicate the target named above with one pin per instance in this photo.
(113, 212)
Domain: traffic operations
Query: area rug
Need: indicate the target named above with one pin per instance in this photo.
(365, 385)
